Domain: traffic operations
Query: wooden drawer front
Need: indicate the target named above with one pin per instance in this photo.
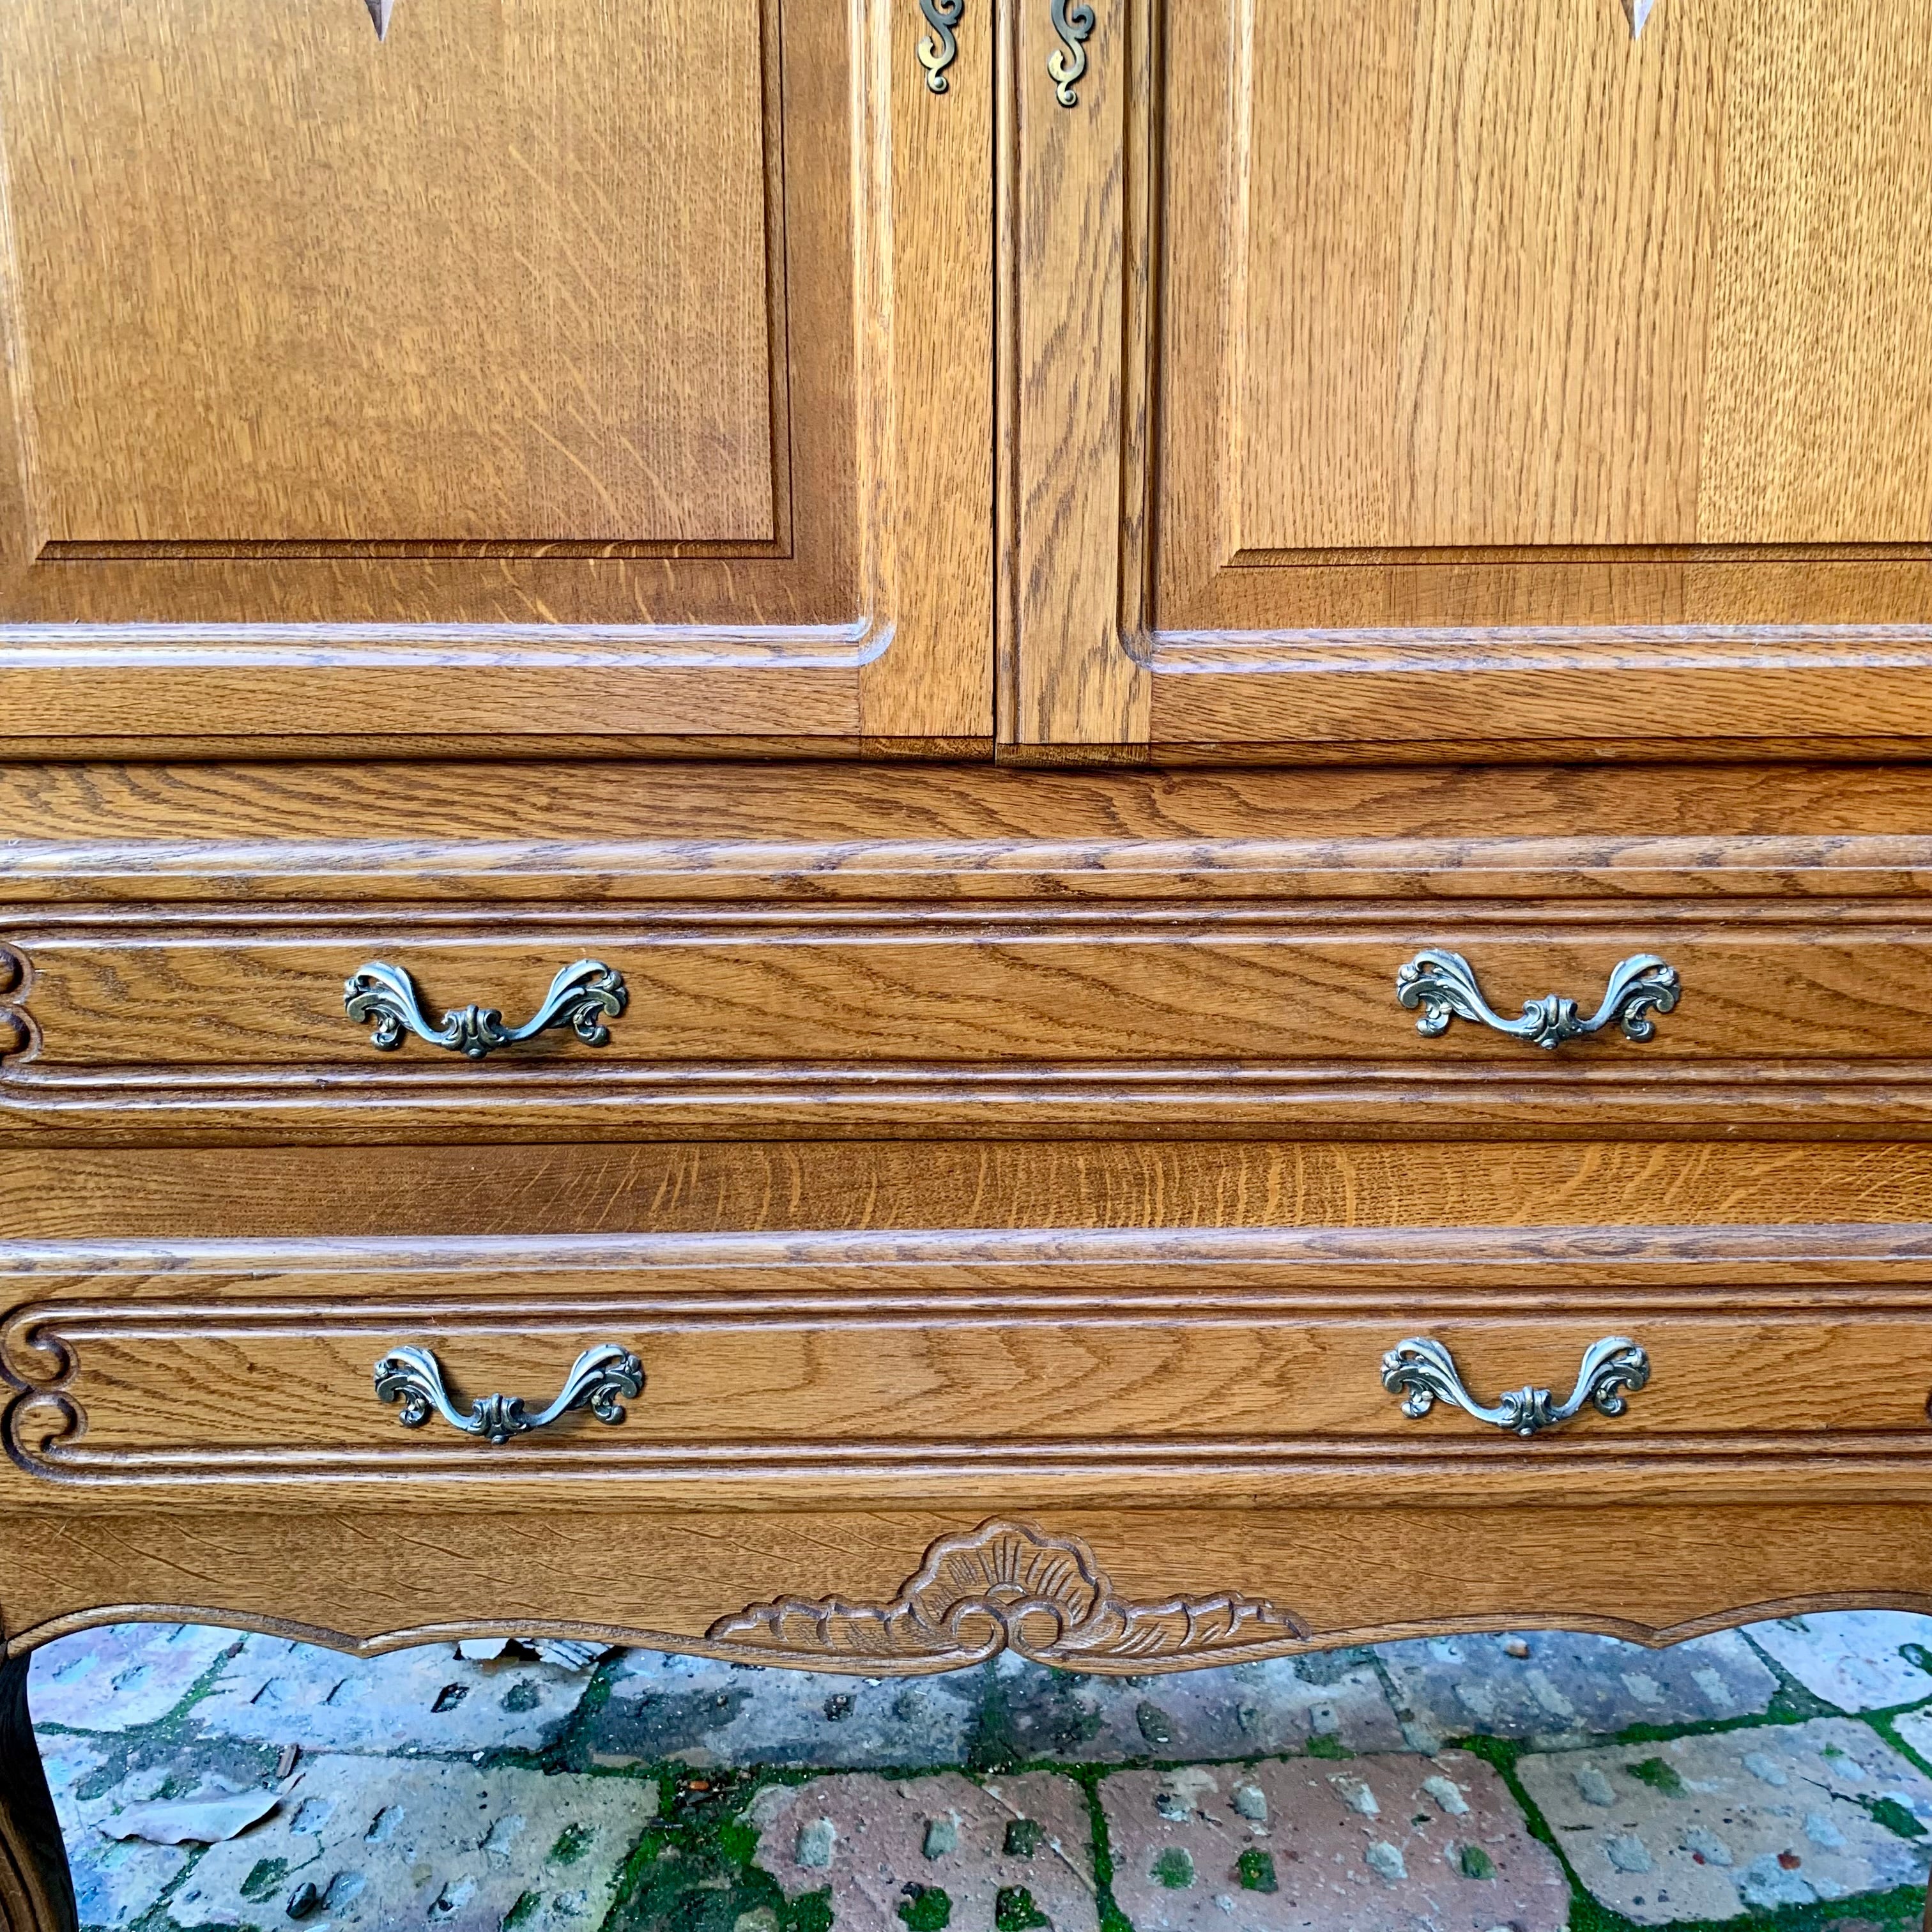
(892, 1390)
(1267, 987)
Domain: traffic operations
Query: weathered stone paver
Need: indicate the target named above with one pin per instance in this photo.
(1316, 1794)
(1551, 1684)
(1709, 1827)
(452, 1846)
(1391, 1841)
(1915, 1728)
(692, 1711)
(121, 1677)
(115, 1883)
(1247, 1710)
(882, 1845)
(1854, 1659)
(427, 1699)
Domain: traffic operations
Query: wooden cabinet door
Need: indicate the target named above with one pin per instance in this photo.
(1515, 377)
(452, 373)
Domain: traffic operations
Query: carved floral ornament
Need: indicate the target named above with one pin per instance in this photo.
(1009, 1586)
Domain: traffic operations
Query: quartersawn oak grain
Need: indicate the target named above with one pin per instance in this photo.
(988, 1161)
(1477, 412)
(835, 951)
(94, 1198)
(598, 456)
(1347, 1575)
(964, 1369)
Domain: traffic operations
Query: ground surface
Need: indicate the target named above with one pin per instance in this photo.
(1773, 1777)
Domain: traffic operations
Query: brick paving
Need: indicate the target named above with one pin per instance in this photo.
(1779, 1777)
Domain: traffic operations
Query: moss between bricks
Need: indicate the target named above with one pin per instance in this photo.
(1014, 1910)
(1658, 1775)
(1256, 1870)
(692, 1869)
(264, 1878)
(926, 1908)
(1174, 1868)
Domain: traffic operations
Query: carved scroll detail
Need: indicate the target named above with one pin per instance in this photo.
(1008, 1585)
(17, 1030)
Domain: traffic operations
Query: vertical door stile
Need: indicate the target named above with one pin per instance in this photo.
(1076, 272)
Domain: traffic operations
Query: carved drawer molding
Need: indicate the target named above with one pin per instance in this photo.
(926, 1015)
(1007, 1586)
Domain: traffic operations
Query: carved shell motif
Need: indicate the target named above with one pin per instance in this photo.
(1008, 1586)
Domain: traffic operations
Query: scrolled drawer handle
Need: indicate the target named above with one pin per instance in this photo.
(601, 1379)
(1424, 1372)
(581, 996)
(1444, 985)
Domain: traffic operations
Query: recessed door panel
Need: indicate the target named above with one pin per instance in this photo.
(510, 371)
(1493, 377)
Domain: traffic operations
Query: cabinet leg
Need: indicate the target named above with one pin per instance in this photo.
(36, 1891)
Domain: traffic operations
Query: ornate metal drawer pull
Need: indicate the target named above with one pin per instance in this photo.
(1424, 1372)
(1444, 985)
(1073, 22)
(600, 1380)
(937, 49)
(581, 996)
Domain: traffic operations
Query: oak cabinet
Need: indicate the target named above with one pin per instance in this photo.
(550, 1081)
(537, 374)
(1476, 377)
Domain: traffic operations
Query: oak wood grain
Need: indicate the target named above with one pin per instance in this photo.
(933, 243)
(1149, 986)
(760, 1387)
(1525, 280)
(1078, 283)
(98, 1195)
(1347, 1575)
(317, 361)
(476, 833)
(1489, 347)
(843, 951)
(1219, 1332)
(604, 455)
(1740, 683)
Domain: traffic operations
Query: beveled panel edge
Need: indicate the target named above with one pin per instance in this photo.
(457, 649)
(1453, 864)
(614, 830)
(794, 687)
(1604, 649)
(1667, 1102)
(1670, 1250)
